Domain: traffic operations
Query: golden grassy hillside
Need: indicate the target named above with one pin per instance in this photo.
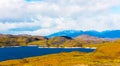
(61, 41)
(63, 59)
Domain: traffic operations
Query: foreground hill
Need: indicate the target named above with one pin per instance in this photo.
(103, 56)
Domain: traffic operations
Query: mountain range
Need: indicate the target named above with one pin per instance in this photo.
(76, 33)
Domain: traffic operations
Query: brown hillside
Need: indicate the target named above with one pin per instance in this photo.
(86, 39)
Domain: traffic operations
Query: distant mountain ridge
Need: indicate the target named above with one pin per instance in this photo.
(75, 33)
(86, 39)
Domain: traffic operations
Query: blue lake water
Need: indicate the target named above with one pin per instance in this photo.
(9, 53)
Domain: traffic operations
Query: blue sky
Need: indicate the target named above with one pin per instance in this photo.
(34, 0)
(44, 17)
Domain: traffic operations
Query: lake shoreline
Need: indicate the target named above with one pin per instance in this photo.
(48, 47)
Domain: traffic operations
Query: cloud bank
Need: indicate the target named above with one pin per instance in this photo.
(43, 17)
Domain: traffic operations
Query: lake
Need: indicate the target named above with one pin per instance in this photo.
(9, 53)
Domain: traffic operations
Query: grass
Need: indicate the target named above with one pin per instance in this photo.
(63, 59)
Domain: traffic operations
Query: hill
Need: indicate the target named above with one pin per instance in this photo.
(86, 39)
(58, 41)
(61, 41)
(18, 40)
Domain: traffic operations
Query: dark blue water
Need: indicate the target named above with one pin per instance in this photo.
(23, 52)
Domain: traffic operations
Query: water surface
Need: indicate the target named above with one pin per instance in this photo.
(9, 53)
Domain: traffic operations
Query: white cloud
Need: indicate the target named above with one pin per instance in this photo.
(12, 9)
(56, 15)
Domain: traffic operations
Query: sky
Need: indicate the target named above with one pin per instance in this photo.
(44, 17)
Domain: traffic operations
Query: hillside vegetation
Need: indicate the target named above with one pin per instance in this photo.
(59, 41)
(18, 40)
(25, 40)
(64, 41)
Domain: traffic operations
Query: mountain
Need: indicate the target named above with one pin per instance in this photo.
(75, 33)
(93, 38)
(86, 39)
(70, 33)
